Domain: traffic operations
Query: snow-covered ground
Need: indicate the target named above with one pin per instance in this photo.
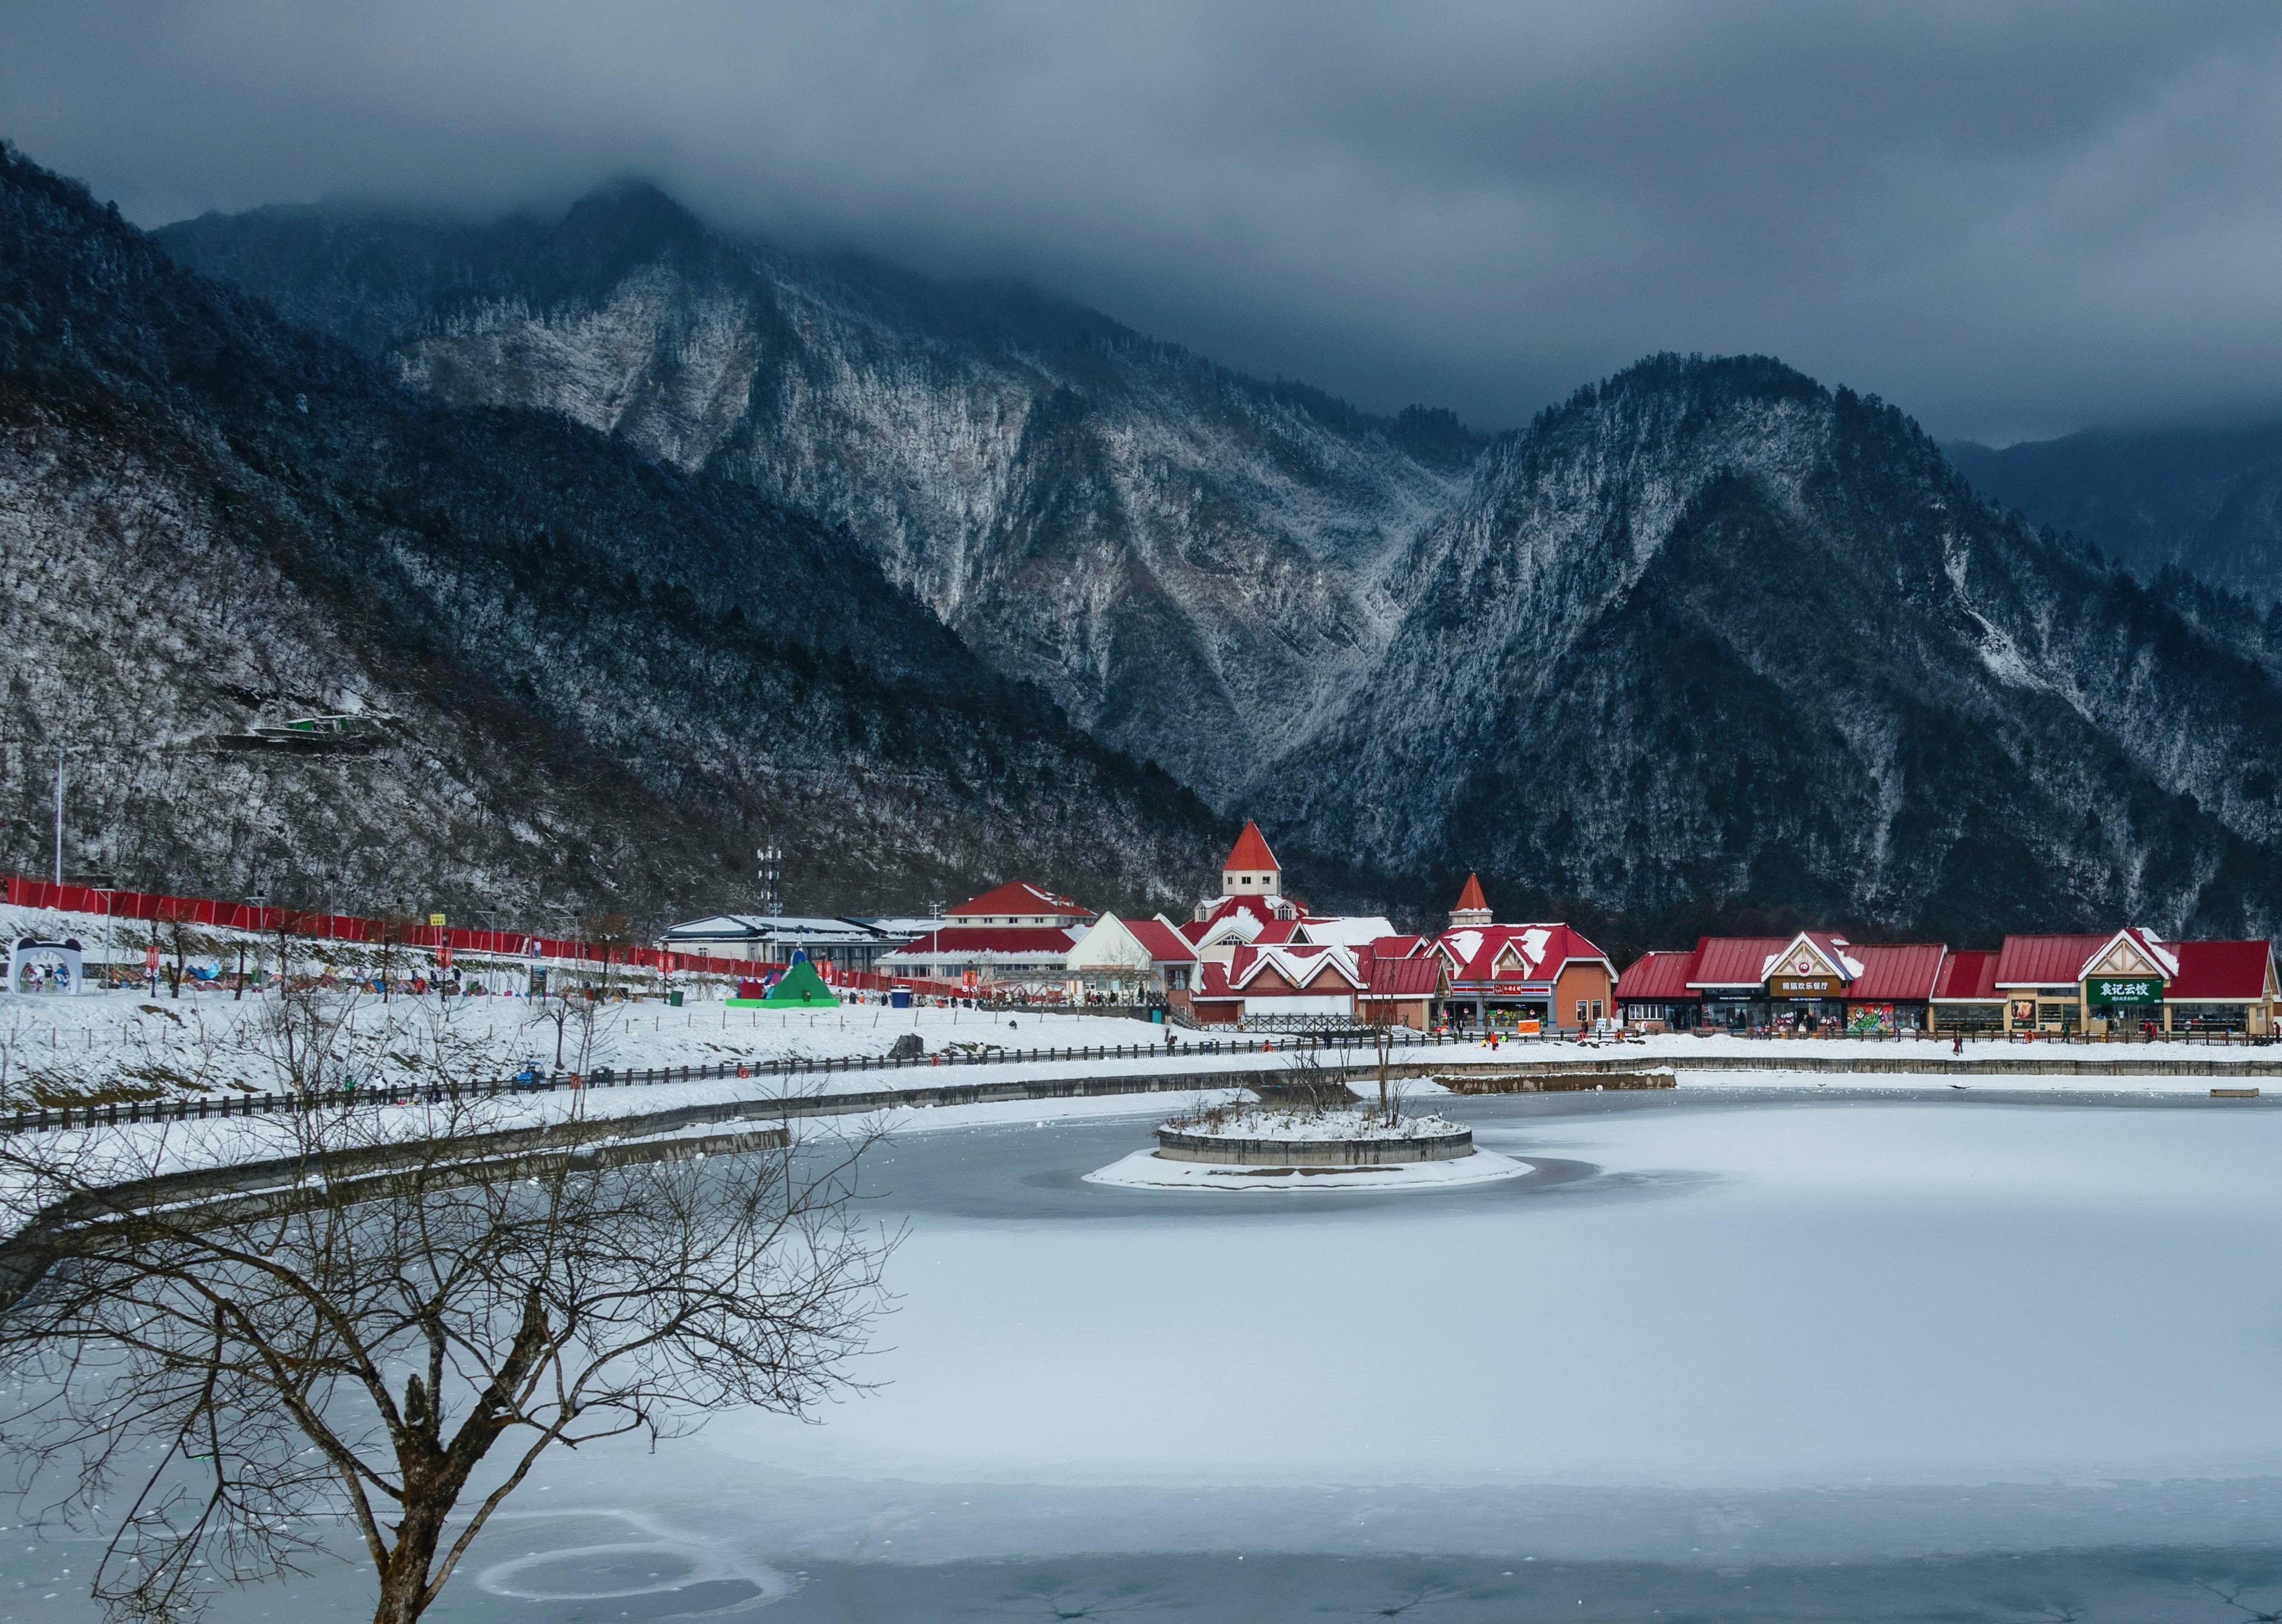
(207, 1040)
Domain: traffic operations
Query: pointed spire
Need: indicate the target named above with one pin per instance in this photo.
(1472, 900)
(1250, 854)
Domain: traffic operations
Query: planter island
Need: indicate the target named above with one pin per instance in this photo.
(1242, 1148)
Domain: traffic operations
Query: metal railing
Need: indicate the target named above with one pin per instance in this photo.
(203, 1109)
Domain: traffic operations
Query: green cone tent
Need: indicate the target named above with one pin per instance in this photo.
(800, 987)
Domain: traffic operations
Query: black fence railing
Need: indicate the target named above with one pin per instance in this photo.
(217, 1108)
(1359, 1043)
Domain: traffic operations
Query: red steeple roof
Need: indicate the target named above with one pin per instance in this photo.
(1250, 853)
(1470, 899)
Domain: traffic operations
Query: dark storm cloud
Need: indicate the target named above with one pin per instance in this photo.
(2010, 219)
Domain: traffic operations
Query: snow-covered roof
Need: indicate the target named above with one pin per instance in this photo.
(1356, 930)
(1490, 954)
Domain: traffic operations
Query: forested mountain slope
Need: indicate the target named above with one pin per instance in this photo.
(2206, 502)
(1710, 637)
(607, 680)
(1186, 559)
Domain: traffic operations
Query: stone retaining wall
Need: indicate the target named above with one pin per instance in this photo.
(1174, 1144)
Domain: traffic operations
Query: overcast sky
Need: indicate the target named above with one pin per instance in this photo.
(2011, 219)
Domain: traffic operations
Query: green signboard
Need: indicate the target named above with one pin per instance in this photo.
(2103, 990)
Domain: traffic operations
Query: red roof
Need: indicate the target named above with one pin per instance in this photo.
(1660, 975)
(1404, 978)
(1894, 970)
(1486, 953)
(1277, 933)
(1396, 947)
(1162, 942)
(973, 941)
(1971, 975)
(1251, 851)
(1015, 899)
(2045, 961)
(2220, 969)
(1472, 900)
(1734, 961)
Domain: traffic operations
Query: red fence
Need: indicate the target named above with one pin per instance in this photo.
(154, 906)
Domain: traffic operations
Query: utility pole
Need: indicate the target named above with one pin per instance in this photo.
(59, 814)
(771, 857)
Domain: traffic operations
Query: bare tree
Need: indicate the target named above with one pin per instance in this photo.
(173, 930)
(396, 1336)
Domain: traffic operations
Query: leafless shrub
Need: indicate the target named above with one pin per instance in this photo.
(398, 1333)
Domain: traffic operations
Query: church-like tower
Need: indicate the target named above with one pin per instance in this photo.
(1473, 909)
(1250, 869)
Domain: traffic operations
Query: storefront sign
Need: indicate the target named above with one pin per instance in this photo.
(1804, 986)
(2103, 990)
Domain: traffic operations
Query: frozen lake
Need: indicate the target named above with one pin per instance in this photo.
(1723, 1355)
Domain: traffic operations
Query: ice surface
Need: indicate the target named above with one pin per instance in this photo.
(1731, 1352)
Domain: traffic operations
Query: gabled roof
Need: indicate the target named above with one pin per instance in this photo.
(2143, 944)
(1251, 851)
(1296, 965)
(1970, 976)
(1827, 946)
(2045, 961)
(2220, 970)
(1896, 970)
(1471, 900)
(1487, 954)
(1018, 897)
(1349, 930)
(1734, 961)
(1405, 978)
(986, 941)
(1659, 975)
(1164, 944)
(1243, 917)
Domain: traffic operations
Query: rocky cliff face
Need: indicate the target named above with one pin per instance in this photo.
(1710, 637)
(1708, 640)
(597, 679)
(1187, 561)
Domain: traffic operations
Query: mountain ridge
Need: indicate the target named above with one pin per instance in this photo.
(610, 679)
(1708, 639)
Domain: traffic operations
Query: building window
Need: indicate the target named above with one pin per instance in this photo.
(1580, 1012)
(1596, 1009)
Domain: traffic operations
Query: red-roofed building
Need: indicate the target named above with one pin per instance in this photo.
(1016, 934)
(1655, 991)
(1403, 991)
(2133, 982)
(1017, 902)
(1140, 961)
(1550, 974)
(1964, 998)
(1290, 986)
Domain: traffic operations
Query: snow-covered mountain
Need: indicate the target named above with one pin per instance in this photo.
(1710, 638)
(1186, 559)
(592, 678)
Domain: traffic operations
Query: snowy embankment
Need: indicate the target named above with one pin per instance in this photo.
(115, 1044)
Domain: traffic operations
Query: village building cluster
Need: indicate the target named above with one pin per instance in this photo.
(2130, 981)
(1252, 954)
